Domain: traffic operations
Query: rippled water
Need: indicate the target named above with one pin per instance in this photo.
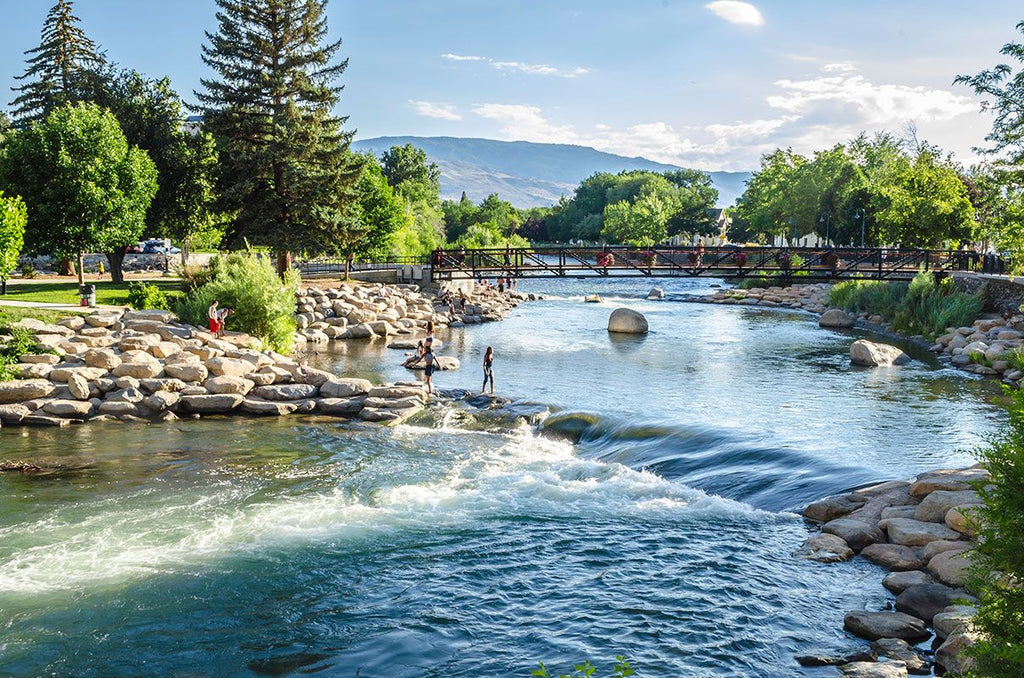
(307, 547)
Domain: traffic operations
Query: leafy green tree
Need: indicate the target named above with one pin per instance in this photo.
(13, 216)
(86, 189)
(696, 197)
(767, 205)
(381, 215)
(59, 69)
(458, 216)
(411, 174)
(286, 173)
(998, 555)
(640, 223)
(150, 114)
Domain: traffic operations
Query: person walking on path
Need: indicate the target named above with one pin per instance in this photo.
(214, 316)
(488, 370)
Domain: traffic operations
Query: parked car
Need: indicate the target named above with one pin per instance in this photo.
(160, 247)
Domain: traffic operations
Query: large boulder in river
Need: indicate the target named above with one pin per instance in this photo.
(870, 354)
(856, 533)
(835, 317)
(875, 625)
(627, 321)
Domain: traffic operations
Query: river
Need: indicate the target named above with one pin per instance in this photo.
(662, 528)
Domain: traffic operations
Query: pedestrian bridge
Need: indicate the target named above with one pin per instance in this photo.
(809, 263)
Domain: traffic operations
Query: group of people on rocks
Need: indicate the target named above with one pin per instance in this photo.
(424, 353)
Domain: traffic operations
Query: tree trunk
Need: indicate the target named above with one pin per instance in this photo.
(348, 265)
(67, 266)
(186, 245)
(116, 259)
(284, 262)
(81, 268)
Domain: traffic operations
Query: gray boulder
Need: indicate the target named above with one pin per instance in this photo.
(927, 600)
(893, 557)
(627, 321)
(825, 548)
(837, 318)
(19, 390)
(211, 404)
(856, 533)
(898, 582)
(950, 567)
(934, 507)
(345, 387)
(892, 669)
(875, 625)
(870, 354)
(915, 532)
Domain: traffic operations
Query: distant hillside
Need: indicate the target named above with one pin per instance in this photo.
(528, 174)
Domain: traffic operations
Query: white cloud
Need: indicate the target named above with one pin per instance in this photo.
(521, 67)
(735, 12)
(429, 109)
(525, 123)
(753, 128)
(460, 57)
(853, 96)
(841, 67)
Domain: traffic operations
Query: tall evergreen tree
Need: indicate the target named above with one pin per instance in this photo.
(59, 69)
(287, 174)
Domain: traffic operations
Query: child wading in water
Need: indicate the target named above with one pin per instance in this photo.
(488, 370)
(428, 369)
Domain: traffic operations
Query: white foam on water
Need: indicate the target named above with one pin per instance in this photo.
(110, 542)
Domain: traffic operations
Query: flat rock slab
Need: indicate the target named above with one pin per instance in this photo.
(856, 533)
(894, 557)
(950, 567)
(934, 507)
(833, 507)
(875, 625)
(910, 532)
(825, 548)
(898, 582)
(947, 479)
(927, 600)
(211, 404)
(900, 650)
(891, 669)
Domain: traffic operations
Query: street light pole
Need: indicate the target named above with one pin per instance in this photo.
(828, 223)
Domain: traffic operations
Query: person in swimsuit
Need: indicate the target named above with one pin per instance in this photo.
(428, 341)
(415, 357)
(222, 320)
(488, 370)
(214, 317)
(429, 367)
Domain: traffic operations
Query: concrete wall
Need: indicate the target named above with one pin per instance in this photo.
(1002, 294)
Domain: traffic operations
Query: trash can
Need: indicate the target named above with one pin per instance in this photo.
(88, 294)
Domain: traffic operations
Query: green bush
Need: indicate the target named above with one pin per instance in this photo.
(621, 669)
(924, 306)
(22, 341)
(248, 284)
(143, 295)
(997, 569)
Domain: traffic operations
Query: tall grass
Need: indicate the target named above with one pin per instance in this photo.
(924, 306)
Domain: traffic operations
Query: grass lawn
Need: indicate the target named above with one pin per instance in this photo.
(12, 314)
(107, 293)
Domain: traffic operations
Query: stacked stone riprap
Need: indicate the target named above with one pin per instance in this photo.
(368, 311)
(144, 365)
(919, 531)
(812, 297)
(987, 347)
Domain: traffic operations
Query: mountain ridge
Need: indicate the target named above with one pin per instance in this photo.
(526, 173)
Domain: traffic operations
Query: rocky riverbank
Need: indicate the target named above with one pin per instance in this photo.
(991, 347)
(919, 531)
(144, 365)
(348, 311)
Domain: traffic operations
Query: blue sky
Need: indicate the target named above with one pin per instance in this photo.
(703, 84)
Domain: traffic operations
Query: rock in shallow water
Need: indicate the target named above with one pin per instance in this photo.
(870, 354)
(627, 321)
(875, 625)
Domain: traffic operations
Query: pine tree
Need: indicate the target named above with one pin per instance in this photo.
(59, 69)
(287, 173)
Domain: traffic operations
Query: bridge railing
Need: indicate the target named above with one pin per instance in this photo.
(728, 262)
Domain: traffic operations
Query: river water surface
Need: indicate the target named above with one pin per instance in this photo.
(661, 528)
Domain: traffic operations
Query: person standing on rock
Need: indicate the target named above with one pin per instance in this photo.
(488, 370)
(214, 317)
(222, 321)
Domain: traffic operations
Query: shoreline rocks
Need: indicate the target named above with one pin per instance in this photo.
(911, 529)
(147, 366)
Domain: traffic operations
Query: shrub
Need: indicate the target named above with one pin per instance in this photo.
(1015, 358)
(263, 305)
(998, 558)
(28, 270)
(621, 669)
(143, 295)
(22, 341)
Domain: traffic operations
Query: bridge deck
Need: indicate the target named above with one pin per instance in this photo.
(718, 262)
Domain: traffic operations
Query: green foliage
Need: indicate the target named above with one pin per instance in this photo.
(488, 235)
(1015, 358)
(86, 189)
(22, 341)
(460, 216)
(13, 216)
(28, 270)
(642, 222)
(678, 201)
(925, 306)
(143, 295)
(621, 669)
(380, 215)
(410, 174)
(998, 556)
(881, 190)
(59, 70)
(249, 285)
(287, 177)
